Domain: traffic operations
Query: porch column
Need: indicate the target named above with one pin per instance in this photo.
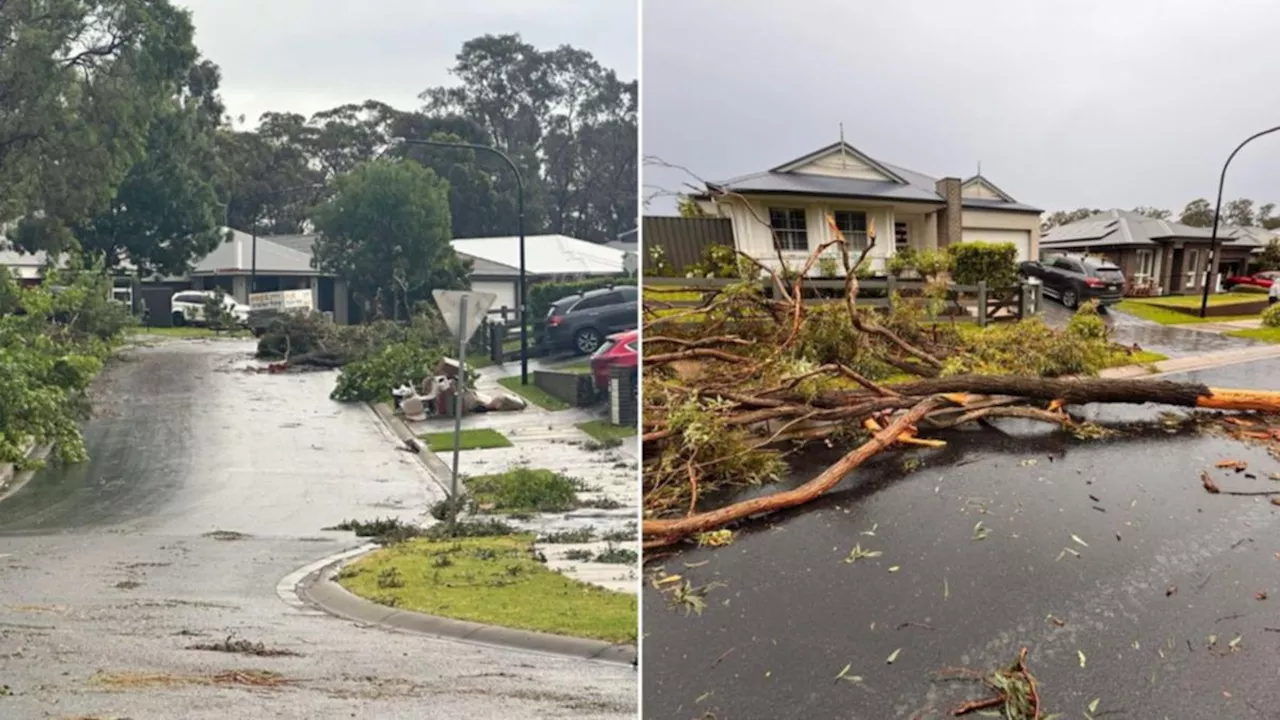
(315, 292)
(930, 238)
(240, 289)
(340, 297)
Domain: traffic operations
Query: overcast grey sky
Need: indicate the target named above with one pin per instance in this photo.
(1066, 104)
(310, 55)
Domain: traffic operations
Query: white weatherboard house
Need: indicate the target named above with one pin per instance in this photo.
(496, 262)
(908, 209)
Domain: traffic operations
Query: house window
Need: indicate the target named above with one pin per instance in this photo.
(1146, 266)
(1191, 262)
(901, 238)
(853, 225)
(789, 226)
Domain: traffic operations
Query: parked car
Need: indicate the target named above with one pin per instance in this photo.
(620, 350)
(1262, 280)
(1073, 280)
(581, 323)
(188, 307)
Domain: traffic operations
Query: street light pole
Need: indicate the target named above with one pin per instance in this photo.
(520, 285)
(1217, 209)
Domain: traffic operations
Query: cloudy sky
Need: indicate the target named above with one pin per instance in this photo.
(1066, 104)
(309, 55)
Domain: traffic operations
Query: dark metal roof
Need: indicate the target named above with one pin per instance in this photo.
(1125, 228)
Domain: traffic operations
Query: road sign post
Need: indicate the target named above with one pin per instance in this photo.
(462, 312)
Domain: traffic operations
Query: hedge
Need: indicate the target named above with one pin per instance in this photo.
(993, 263)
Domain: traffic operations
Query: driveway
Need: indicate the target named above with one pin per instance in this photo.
(1170, 340)
(106, 567)
(1107, 559)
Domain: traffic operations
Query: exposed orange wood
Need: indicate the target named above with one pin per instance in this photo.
(1246, 400)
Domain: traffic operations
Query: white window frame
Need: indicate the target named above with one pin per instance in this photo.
(899, 244)
(1191, 260)
(857, 239)
(1146, 264)
(791, 239)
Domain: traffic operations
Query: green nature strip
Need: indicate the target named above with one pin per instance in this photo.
(492, 580)
(475, 439)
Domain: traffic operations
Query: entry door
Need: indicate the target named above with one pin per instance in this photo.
(1177, 275)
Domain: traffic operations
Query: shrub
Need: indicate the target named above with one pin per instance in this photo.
(1029, 347)
(657, 265)
(525, 489)
(372, 378)
(1271, 316)
(996, 264)
(717, 261)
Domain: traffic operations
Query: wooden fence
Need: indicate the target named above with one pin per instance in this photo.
(984, 305)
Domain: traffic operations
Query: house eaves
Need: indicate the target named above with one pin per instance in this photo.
(846, 149)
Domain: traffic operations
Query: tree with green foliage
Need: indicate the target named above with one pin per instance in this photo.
(688, 207)
(1239, 212)
(1063, 217)
(1197, 213)
(1153, 212)
(385, 231)
(82, 81)
(1269, 258)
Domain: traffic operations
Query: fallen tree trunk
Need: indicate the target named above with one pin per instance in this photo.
(932, 402)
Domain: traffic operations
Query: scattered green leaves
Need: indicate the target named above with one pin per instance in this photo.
(858, 553)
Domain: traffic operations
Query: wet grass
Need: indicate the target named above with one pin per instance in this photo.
(475, 439)
(525, 490)
(570, 537)
(605, 432)
(1265, 334)
(1193, 301)
(497, 581)
(533, 393)
(1164, 316)
(188, 331)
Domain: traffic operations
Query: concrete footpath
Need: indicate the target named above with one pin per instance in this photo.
(1197, 362)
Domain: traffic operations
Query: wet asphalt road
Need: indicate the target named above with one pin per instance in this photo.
(1162, 566)
(105, 567)
(1170, 340)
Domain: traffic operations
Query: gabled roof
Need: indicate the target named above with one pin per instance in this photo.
(235, 257)
(834, 148)
(1124, 228)
(544, 254)
(980, 180)
(899, 184)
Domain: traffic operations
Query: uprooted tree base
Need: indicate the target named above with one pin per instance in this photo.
(736, 385)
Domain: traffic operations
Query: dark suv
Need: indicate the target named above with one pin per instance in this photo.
(581, 322)
(1073, 280)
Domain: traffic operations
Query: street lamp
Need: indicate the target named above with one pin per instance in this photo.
(1213, 240)
(520, 311)
(253, 253)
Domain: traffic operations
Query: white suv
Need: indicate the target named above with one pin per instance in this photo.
(188, 307)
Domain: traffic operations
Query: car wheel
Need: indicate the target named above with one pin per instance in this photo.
(179, 319)
(1070, 299)
(587, 340)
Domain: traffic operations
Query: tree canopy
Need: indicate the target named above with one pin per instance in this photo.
(385, 230)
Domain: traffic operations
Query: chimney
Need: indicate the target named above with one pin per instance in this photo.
(949, 216)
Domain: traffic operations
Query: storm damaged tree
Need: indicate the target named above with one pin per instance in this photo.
(385, 231)
(734, 386)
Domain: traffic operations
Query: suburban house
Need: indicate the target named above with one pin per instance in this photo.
(906, 208)
(1158, 257)
(496, 262)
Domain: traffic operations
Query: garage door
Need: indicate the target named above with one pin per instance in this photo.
(1020, 239)
(504, 289)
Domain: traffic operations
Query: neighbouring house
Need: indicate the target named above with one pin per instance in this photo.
(628, 241)
(28, 268)
(283, 262)
(906, 208)
(496, 262)
(1158, 257)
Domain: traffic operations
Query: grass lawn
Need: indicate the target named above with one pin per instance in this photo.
(1146, 311)
(476, 439)
(492, 580)
(581, 367)
(525, 490)
(533, 393)
(1141, 357)
(1193, 301)
(1265, 334)
(606, 432)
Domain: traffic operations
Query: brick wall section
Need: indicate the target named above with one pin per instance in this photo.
(949, 217)
(577, 389)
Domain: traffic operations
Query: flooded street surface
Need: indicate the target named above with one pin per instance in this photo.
(1171, 340)
(109, 570)
(1129, 584)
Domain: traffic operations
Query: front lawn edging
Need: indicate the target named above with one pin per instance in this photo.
(321, 590)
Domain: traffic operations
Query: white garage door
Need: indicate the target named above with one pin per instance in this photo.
(1021, 239)
(504, 289)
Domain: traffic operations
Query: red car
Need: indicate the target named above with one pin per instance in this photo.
(620, 350)
(1262, 280)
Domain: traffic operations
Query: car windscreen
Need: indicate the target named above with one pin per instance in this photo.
(560, 307)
